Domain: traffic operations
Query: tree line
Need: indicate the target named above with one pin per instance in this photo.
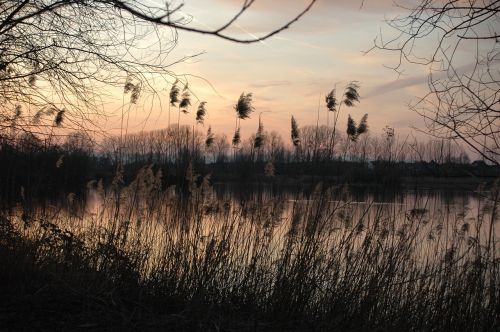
(32, 167)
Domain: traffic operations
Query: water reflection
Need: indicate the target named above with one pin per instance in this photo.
(436, 218)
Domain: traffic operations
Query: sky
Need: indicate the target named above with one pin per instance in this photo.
(290, 73)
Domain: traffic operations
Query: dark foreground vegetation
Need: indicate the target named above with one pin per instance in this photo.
(146, 258)
(122, 235)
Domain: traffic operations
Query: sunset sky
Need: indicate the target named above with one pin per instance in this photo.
(289, 73)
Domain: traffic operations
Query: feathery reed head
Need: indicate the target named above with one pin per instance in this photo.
(59, 117)
(259, 137)
(128, 85)
(295, 134)
(174, 93)
(244, 106)
(134, 96)
(201, 112)
(134, 88)
(185, 100)
(237, 137)
(354, 131)
(210, 138)
(351, 94)
(331, 101)
(351, 129)
(363, 125)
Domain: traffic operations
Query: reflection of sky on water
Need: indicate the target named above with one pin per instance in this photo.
(439, 215)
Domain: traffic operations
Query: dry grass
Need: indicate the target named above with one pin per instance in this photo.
(151, 259)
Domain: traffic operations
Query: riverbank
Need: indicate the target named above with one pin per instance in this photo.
(148, 260)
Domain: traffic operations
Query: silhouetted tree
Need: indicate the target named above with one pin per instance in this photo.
(462, 101)
(66, 55)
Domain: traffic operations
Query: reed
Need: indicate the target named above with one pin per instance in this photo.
(147, 257)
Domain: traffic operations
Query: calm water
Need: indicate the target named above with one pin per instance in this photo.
(437, 214)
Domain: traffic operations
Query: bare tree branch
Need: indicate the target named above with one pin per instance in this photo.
(72, 55)
(463, 101)
(165, 19)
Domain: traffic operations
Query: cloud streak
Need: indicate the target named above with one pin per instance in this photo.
(416, 80)
(269, 84)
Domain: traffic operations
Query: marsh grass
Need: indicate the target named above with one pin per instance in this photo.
(151, 258)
